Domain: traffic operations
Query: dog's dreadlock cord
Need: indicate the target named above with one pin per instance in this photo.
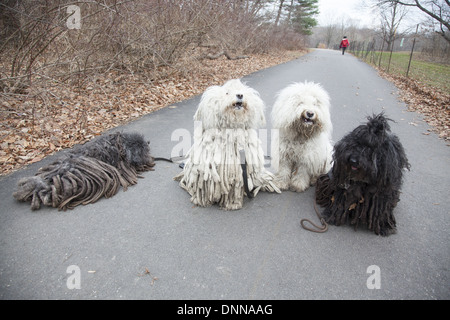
(163, 159)
(243, 166)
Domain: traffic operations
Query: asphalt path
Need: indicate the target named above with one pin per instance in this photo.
(150, 242)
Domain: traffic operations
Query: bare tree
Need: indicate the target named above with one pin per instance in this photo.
(391, 15)
(438, 10)
(280, 10)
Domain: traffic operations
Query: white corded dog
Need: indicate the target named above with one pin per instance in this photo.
(302, 116)
(226, 161)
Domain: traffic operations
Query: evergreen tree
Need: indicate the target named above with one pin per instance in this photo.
(302, 15)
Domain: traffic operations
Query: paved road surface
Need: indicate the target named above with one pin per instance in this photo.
(151, 243)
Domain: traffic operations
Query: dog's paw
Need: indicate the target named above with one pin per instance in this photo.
(299, 185)
(281, 184)
(231, 206)
(386, 231)
(298, 188)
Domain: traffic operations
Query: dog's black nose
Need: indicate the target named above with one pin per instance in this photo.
(239, 96)
(309, 114)
(353, 161)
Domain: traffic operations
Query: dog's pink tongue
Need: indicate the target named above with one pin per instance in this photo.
(354, 168)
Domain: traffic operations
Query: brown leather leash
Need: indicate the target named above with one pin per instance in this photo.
(319, 229)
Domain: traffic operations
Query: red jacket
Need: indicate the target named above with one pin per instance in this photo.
(344, 43)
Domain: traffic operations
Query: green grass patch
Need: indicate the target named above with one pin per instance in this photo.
(432, 74)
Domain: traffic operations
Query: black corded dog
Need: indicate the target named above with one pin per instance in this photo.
(363, 186)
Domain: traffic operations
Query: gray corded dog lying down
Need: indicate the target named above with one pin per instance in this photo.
(90, 171)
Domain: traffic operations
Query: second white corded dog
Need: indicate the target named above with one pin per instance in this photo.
(302, 116)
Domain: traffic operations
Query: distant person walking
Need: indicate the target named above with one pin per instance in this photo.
(344, 44)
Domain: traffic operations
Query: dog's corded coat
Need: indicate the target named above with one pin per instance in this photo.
(91, 171)
(228, 117)
(363, 186)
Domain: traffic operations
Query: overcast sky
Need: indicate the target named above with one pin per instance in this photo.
(333, 11)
